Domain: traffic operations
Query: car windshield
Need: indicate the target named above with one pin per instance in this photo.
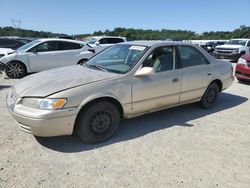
(237, 42)
(118, 58)
(28, 45)
(91, 40)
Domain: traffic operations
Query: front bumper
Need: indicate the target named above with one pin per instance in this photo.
(44, 123)
(2, 66)
(230, 56)
(242, 72)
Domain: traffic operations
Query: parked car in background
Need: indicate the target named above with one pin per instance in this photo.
(242, 71)
(102, 42)
(210, 46)
(123, 81)
(44, 54)
(13, 43)
(232, 49)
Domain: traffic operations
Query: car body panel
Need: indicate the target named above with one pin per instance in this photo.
(242, 71)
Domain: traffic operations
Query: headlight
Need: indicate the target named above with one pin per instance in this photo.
(235, 51)
(44, 104)
(242, 62)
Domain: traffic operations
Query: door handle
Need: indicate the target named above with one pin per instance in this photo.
(175, 80)
(209, 73)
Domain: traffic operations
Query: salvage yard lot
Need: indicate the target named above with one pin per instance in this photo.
(185, 146)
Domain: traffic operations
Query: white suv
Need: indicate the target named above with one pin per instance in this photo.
(44, 54)
(232, 49)
(102, 42)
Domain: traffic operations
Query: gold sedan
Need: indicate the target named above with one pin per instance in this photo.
(123, 81)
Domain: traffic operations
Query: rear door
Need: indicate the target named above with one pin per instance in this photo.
(44, 56)
(68, 52)
(196, 73)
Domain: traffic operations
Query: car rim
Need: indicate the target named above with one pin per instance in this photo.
(100, 123)
(211, 96)
(14, 70)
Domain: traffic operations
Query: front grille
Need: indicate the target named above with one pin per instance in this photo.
(224, 50)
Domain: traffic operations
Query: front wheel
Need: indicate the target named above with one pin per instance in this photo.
(98, 122)
(15, 70)
(210, 96)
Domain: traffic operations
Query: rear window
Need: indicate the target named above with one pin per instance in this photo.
(69, 46)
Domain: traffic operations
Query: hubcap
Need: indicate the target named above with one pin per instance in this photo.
(211, 96)
(100, 123)
(14, 70)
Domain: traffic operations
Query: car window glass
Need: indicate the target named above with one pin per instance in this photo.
(190, 56)
(161, 59)
(47, 46)
(7, 42)
(248, 44)
(118, 58)
(69, 46)
(103, 41)
(114, 40)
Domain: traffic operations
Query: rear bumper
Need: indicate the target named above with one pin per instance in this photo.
(242, 72)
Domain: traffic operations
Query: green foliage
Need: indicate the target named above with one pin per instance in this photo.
(138, 34)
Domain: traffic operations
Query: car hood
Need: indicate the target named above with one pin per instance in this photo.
(229, 46)
(6, 51)
(49, 82)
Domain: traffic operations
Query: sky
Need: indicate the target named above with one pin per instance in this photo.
(82, 16)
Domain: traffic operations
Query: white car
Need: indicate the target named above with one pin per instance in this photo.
(44, 54)
(102, 42)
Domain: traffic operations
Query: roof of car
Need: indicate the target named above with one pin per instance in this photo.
(59, 39)
(241, 39)
(150, 43)
(98, 37)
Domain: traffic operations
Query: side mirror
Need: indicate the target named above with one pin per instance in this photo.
(144, 71)
(97, 43)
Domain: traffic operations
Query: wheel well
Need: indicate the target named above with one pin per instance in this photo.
(219, 83)
(16, 61)
(106, 99)
(80, 61)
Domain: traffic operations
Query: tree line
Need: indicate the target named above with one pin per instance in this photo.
(137, 34)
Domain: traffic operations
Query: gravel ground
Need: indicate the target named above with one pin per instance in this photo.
(179, 147)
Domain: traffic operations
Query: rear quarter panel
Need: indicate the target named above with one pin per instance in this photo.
(223, 70)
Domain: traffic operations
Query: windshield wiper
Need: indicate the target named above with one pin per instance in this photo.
(96, 66)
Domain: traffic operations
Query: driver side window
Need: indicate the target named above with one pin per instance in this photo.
(161, 59)
(47, 46)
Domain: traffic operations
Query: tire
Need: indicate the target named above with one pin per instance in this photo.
(210, 96)
(98, 122)
(15, 69)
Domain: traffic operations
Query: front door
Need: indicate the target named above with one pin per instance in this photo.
(160, 90)
(44, 56)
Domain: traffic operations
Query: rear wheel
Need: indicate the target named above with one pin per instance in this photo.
(15, 69)
(98, 122)
(210, 96)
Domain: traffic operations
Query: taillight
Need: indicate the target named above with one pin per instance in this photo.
(232, 70)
